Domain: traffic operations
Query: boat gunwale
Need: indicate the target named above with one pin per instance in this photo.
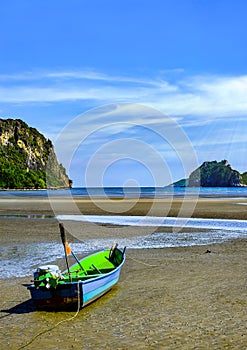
(85, 279)
(94, 277)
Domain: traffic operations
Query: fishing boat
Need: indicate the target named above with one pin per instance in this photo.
(80, 284)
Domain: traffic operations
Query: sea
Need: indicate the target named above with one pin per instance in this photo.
(19, 260)
(131, 192)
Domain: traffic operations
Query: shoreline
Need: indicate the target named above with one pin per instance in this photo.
(221, 208)
(174, 298)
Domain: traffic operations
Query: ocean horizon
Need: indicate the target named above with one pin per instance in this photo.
(131, 192)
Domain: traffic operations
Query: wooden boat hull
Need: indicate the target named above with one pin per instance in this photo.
(75, 294)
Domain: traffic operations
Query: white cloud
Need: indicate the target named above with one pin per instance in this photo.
(206, 96)
(199, 96)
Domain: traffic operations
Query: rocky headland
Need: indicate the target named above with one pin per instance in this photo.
(214, 174)
(28, 159)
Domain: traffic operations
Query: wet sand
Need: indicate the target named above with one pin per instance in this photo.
(222, 208)
(173, 298)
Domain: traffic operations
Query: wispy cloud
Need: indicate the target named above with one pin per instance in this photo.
(201, 96)
(87, 75)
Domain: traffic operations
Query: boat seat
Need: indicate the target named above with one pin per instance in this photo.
(96, 268)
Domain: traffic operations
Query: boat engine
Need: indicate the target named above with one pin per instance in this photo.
(42, 271)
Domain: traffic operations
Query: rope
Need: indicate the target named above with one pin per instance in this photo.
(77, 312)
(141, 262)
(57, 324)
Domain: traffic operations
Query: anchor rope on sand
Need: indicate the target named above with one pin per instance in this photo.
(57, 324)
(141, 262)
(77, 312)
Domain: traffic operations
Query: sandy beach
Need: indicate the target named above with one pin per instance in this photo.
(171, 298)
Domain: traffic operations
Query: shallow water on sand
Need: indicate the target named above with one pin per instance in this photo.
(21, 259)
(226, 224)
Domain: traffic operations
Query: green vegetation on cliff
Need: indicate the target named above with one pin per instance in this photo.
(215, 174)
(25, 155)
(244, 178)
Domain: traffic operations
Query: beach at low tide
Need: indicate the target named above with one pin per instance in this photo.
(190, 297)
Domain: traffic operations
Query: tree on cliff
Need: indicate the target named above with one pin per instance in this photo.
(215, 174)
(24, 156)
(244, 178)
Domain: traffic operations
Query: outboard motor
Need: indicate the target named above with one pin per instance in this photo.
(42, 271)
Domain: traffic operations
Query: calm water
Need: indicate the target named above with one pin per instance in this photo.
(139, 192)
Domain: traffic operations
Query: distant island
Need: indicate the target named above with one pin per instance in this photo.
(214, 174)
(25, 156)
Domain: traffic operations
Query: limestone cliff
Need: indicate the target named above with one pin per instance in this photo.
(25, 155)
(215, 174)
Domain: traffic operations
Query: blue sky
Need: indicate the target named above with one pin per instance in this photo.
(148, 89)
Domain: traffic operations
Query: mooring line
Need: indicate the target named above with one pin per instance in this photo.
(141, 262)
(57, 324)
